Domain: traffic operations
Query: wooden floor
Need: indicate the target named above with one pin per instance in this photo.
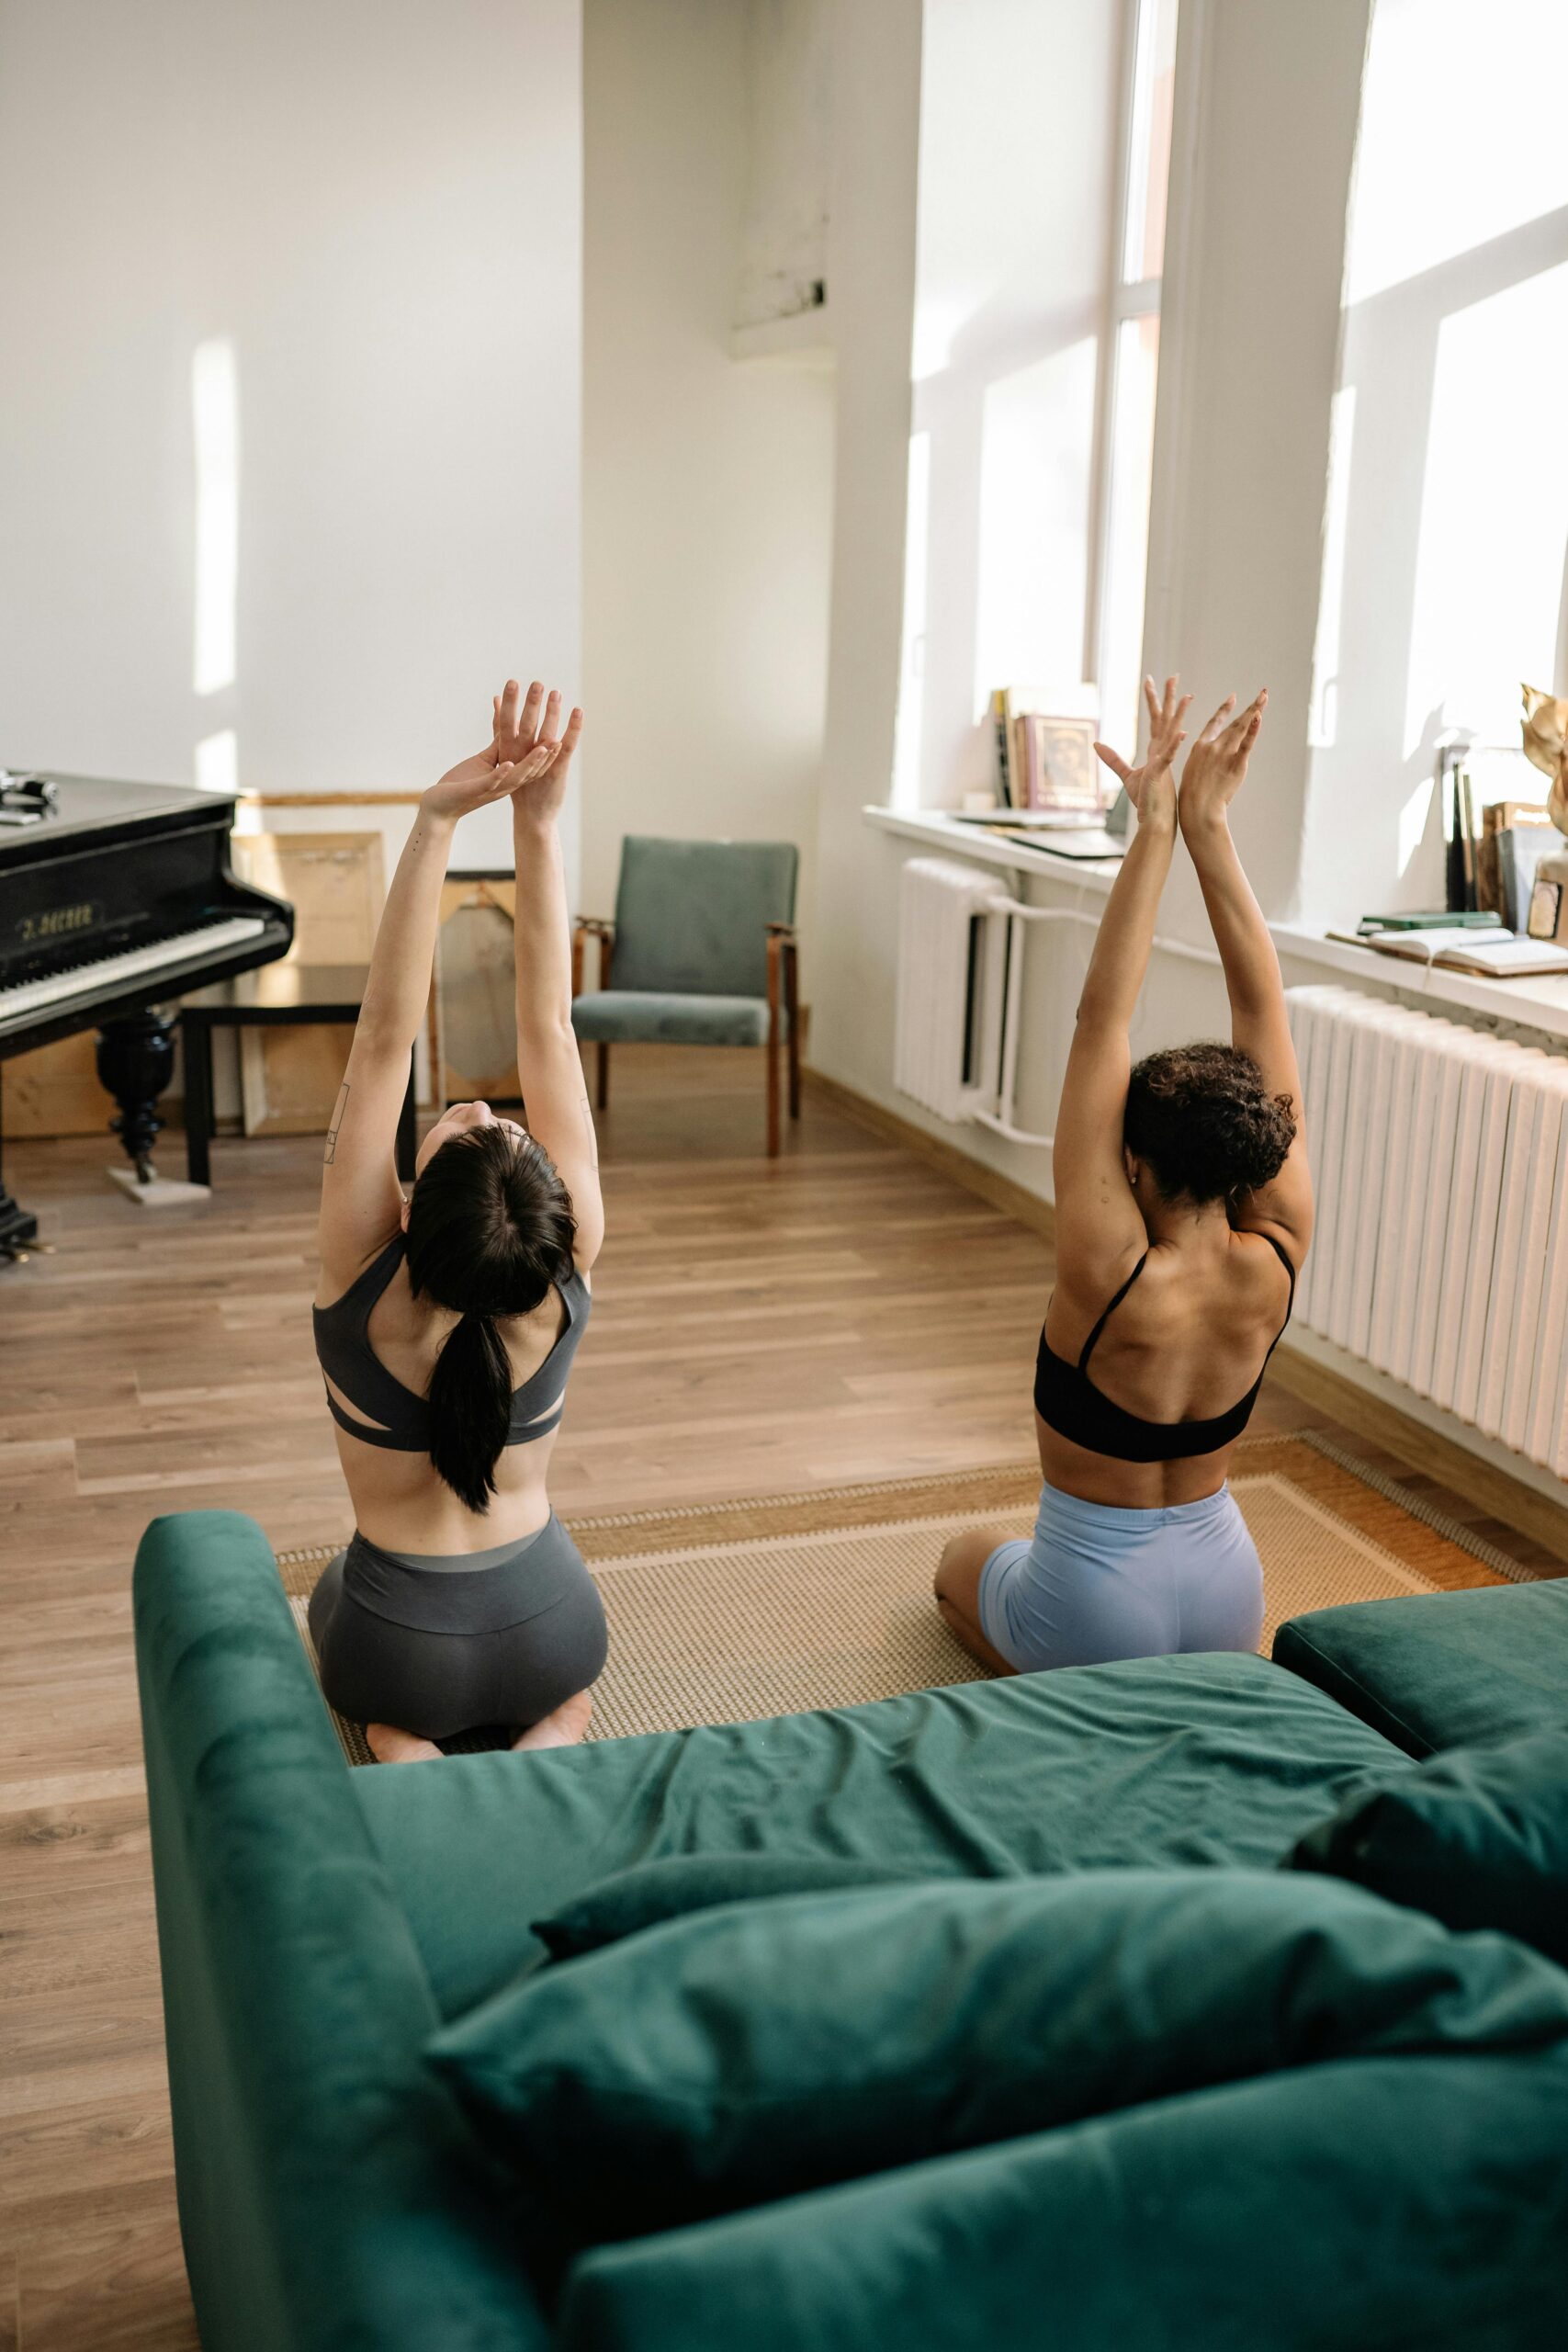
(841, 1313)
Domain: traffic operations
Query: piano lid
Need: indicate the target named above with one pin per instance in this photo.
(95, 812)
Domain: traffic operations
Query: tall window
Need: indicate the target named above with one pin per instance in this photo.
(1033, 377)
(1445, 574)
(1134, 365)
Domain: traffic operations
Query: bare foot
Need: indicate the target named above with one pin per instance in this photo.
(388, 1745)
(563, 1728)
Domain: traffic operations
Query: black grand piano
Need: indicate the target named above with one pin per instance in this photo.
(114, 900)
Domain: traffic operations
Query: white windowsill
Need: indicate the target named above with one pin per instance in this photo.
(1541, 1003)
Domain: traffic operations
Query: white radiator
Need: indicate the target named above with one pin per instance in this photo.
(952, 976)
(1439, 1159)
(959, 1012)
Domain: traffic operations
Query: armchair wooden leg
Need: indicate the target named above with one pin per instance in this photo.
(791, 1008)
(602, 1085)
(774, 959)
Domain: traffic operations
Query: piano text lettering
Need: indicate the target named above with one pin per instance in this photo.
(52, 922)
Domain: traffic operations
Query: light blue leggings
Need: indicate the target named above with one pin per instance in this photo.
(1095, 1583)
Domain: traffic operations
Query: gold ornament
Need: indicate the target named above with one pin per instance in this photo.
(1545, 731)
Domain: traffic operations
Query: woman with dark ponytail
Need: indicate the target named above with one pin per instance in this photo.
(461, 1614)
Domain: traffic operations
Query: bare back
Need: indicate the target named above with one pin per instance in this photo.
(399, 1500)
(1185, 1343)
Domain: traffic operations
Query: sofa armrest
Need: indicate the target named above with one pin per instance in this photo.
(330, 2192)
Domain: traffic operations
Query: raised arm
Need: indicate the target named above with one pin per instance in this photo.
(1097, 1222)
(361, 1197)
(549, 1061)
(1215, 770)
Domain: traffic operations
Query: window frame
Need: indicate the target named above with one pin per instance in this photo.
(1126, 300)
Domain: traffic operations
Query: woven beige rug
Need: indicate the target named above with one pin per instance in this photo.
(823, 1599)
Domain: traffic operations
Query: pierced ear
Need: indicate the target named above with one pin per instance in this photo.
(1133, 1165)
(404, 1213)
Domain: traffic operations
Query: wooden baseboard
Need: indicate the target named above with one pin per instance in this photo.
(1424, 1450)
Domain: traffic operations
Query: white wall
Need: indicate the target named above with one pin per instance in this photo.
(379, 204)
(707, 492)
(871, 275)
(789, 152)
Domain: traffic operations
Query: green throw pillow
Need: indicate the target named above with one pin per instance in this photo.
(754, 2052)
(1478, 1836)
(652, 1892)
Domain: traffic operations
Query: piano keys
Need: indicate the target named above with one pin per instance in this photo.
(116, 899)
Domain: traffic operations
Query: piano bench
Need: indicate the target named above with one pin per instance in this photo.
(274, 996)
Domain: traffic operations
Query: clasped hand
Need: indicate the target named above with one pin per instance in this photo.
(527, 759)
(1216, 765)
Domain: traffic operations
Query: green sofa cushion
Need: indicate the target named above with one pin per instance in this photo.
(629, 1901)
(1408, 2204)
(1448, 1670)
(656, 1017)
(1477, 1836)
(766, 2048)
(1198, 1760)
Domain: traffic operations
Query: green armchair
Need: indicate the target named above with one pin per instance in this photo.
(702, 952)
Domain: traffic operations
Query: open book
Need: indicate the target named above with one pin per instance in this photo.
(1502, 954)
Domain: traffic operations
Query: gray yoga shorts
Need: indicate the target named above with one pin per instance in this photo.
(479, 1643)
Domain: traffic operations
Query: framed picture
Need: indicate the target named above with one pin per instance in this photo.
(1546, 911)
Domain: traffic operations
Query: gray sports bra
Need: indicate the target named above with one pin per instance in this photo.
(346, 1357)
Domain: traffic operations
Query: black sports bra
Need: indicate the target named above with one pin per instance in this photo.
(345, 1356)
(1068, 1402)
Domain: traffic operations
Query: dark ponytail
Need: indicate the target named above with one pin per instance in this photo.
(489, 1229)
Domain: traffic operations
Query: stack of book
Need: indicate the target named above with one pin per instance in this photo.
(1459, 942)
(1045, 763)
(1515, 836)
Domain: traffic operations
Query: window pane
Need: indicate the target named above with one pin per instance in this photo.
(1148, 161)
(1037, 438)
(910, 725)
(1490, 571)
(1127, 538)
(1452, 150)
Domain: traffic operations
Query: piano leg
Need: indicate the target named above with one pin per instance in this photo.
(136, 1061)
(18, 1228)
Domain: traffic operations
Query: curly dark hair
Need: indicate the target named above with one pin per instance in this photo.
(1205, 1123)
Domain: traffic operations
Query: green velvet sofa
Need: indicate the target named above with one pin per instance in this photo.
(319, 1926)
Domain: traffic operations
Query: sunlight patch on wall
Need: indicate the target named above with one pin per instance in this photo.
(1323, 721)
(218, 761)
(1413, 822)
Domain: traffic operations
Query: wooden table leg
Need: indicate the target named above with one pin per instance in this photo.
(195, 1047)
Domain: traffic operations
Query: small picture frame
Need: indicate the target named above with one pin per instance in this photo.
(1545, 919)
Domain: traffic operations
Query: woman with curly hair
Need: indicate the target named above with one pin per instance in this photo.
(1183, 1215)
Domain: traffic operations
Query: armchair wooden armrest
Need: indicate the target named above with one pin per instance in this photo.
(784, 993)
(591, 927)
